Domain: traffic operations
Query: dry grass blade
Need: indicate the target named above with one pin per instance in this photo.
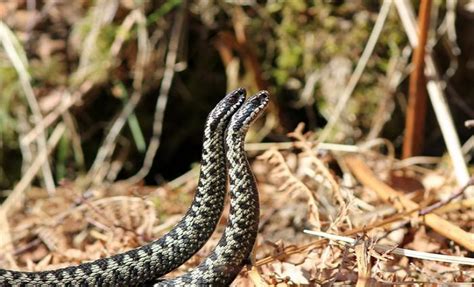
(435, 91)
(18, 59)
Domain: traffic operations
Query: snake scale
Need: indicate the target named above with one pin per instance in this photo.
(142, 266)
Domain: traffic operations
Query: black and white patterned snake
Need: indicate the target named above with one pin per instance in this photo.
(223, 145)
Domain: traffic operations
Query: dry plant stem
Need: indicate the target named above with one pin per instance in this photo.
(469, 123)
(465, 204)
(400, 251)
(15, 198)
(450, 25)
(395, 75)
(416, 110)
(355, 77)
(439, 204)
(171, 59)
(290, 145)
(143, 54)
(362, 172)
(8, 42)
(117, 164)
(75, 139)
(416, 160)
(66, 103)
(102, 13)
(22, 127)
(435, 91)
(363, 264)
(317, 243)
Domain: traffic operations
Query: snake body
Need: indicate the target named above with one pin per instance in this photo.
(137, 266)
(225, 262)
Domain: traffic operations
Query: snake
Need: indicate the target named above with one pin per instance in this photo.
(143, 264)
(235, 246)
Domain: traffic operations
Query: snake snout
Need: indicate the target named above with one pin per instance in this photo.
(256, 105)
(249, 111)
(262, 99)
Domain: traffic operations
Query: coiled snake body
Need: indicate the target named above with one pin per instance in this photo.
(147, 263)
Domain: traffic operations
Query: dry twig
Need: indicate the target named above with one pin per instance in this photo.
(435, 91)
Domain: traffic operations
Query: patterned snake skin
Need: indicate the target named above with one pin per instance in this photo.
(222, 266)
(146, 263)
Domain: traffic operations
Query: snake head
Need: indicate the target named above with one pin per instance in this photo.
(249, 112)
(226, 108)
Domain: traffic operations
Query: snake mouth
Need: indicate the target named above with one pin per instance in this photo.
(257, 104)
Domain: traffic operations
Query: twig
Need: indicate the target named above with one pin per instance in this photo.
(400, 251)
(355, 77)
(416, 160)
(416, 109)
(171, 59)
(22, 127)
(458, 193)
(465, 204)
(75, 139)
(289, 145)
(449, 230)
(405, 11)
(116, 165)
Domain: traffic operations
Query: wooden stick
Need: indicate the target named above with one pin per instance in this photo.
(416, 110)
(362, 172)
(435, 91)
